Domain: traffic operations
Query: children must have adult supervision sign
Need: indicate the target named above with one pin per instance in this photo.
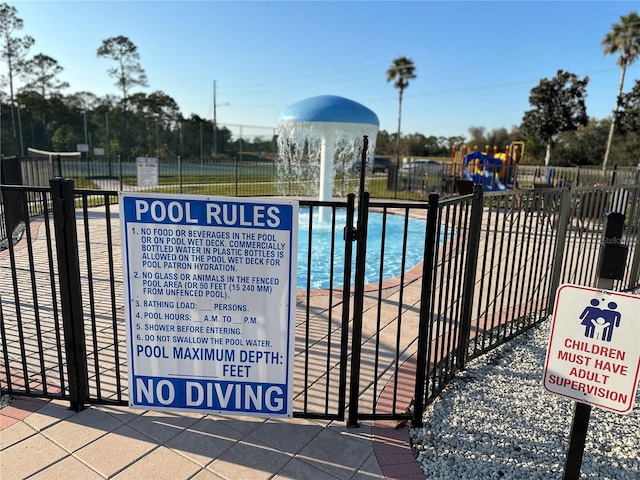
(209, 292)
(593, 355)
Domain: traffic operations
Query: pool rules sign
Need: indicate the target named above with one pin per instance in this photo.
(593, 355)
(209, 287)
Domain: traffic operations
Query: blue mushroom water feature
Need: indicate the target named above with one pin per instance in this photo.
(325, 133)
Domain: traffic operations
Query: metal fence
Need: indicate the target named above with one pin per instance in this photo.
(253, 175)
(578, 176)
(367, 345)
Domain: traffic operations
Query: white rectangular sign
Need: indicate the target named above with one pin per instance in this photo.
(209, 288)
(147, 171)
(593, 355)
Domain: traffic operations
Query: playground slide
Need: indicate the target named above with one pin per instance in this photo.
(484, 170)
(490, 182)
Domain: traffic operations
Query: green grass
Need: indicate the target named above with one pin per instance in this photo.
(263, 185)
(202, 179)
(83, 182)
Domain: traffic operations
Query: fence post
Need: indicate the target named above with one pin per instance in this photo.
(70, 290)
(235, 161)
(561, 241)
(425, 307)
(634, 229)
(349, 238)
(358, 306)
(471, 265)
(120, 170)
(614, 174)
(14, 201)
(180, 173)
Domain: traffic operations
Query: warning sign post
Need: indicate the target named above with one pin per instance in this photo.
(210, 302)
(593, 355)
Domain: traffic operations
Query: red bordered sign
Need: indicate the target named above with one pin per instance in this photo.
(593, 355)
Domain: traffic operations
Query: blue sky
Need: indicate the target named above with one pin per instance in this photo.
(476, 62)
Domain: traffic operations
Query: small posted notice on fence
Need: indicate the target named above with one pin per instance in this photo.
(147, 171)
(209, 288)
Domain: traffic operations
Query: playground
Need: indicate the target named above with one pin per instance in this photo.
(495, 171)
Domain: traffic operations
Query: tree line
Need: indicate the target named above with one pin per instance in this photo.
(39, 115)
(558, 120)
(36, 113)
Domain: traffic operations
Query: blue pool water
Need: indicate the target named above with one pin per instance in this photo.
(321, 248)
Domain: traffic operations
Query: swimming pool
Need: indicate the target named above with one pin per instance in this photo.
(320, 270)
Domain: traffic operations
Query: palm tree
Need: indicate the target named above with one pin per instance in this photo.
(624, 38)
(400, 72)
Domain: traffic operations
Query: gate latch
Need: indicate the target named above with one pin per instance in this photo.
(350, 234)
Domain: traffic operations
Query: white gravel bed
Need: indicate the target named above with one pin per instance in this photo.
(495, 420)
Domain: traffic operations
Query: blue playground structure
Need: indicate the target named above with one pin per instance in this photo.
(493, 173)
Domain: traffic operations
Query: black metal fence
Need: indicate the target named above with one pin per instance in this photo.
(253, 175)
(486, 270)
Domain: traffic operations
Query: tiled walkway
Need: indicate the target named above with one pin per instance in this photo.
(41, 439)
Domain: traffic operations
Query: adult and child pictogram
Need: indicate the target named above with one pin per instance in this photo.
(600, 322)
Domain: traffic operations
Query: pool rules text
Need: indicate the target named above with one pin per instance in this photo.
(209, 292)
